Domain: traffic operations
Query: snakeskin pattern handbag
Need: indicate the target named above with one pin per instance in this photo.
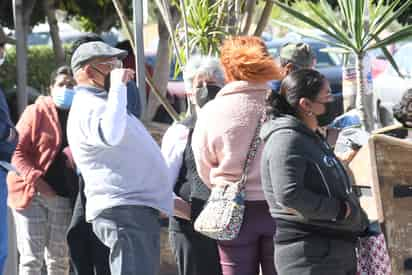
(222, 216)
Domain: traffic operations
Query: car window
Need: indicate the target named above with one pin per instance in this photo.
(38, 38)
(403, 58)
(323, 59)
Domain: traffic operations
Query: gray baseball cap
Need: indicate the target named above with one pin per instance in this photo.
(92, 50)
(300, 54)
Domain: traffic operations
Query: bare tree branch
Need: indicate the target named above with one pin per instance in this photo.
(248, 16)
(267, 10)
(49, 7)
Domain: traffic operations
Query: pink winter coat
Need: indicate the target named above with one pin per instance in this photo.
(223, 133)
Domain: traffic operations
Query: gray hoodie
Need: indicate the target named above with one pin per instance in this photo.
(303, 181)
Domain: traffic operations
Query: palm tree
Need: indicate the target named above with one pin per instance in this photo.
(361, 22)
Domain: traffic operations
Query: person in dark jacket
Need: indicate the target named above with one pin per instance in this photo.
(318, 215)
(195, 253)
(8, 142)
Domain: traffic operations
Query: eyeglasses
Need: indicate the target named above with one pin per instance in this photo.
(114, 64)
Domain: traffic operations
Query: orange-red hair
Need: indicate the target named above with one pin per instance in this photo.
(247, 58)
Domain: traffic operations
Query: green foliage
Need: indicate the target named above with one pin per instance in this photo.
(300, 5)
(95, 16)
(41, 62)
(205, 32)
(6, 13)
(205, 29)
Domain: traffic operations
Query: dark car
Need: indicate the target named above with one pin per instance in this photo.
(328, 64)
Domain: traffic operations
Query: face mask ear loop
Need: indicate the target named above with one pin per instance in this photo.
(201, 94)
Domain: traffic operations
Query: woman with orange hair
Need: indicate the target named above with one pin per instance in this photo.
(223, 133)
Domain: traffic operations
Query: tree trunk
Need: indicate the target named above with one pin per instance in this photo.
(231, 17)
(248, 16)
(28, 7)
(363, 104)
(264, 18)
(49, 7)
(161, 71)
(21, 15)
(109, 21)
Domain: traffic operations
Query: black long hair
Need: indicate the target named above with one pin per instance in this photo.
(303, 83)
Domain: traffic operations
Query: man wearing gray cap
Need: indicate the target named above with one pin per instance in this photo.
(125, 175)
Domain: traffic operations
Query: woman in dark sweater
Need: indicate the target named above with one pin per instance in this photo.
(195, 254)
(308, 190)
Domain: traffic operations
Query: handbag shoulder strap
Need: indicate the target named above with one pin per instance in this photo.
(254, 145)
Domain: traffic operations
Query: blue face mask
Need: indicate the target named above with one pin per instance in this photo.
(63, 97)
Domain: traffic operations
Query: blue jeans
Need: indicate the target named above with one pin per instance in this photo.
(133, 235)
(3, 220)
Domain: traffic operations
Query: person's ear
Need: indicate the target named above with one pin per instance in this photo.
(89, 71)
(305, 105)
(288, 68)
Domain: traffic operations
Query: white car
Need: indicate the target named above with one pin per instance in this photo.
(389, 86)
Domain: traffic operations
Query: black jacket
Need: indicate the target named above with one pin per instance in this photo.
(305, 185)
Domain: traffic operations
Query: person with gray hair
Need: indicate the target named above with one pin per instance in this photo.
(195, 254)
(125, 175)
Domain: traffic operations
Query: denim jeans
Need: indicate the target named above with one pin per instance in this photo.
(3, 220)
(11, 261)
(133, 235)
(41, 234)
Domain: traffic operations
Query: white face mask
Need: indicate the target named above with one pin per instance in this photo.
(3, 58)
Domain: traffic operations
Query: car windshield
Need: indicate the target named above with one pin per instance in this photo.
(403, 59)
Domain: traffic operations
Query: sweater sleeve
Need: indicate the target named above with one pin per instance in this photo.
(108, 128)
(203, 152)
(173, 146)
(287, 171)
(22, 158)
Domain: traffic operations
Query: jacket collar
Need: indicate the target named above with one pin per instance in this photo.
(242, 87)
(93, 90)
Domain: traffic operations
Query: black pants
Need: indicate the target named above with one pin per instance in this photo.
(195, 254)
(88, 254)
(315, 255)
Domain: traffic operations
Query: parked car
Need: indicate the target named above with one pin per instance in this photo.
(40, 35)
(389, 86)
(329, 64)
